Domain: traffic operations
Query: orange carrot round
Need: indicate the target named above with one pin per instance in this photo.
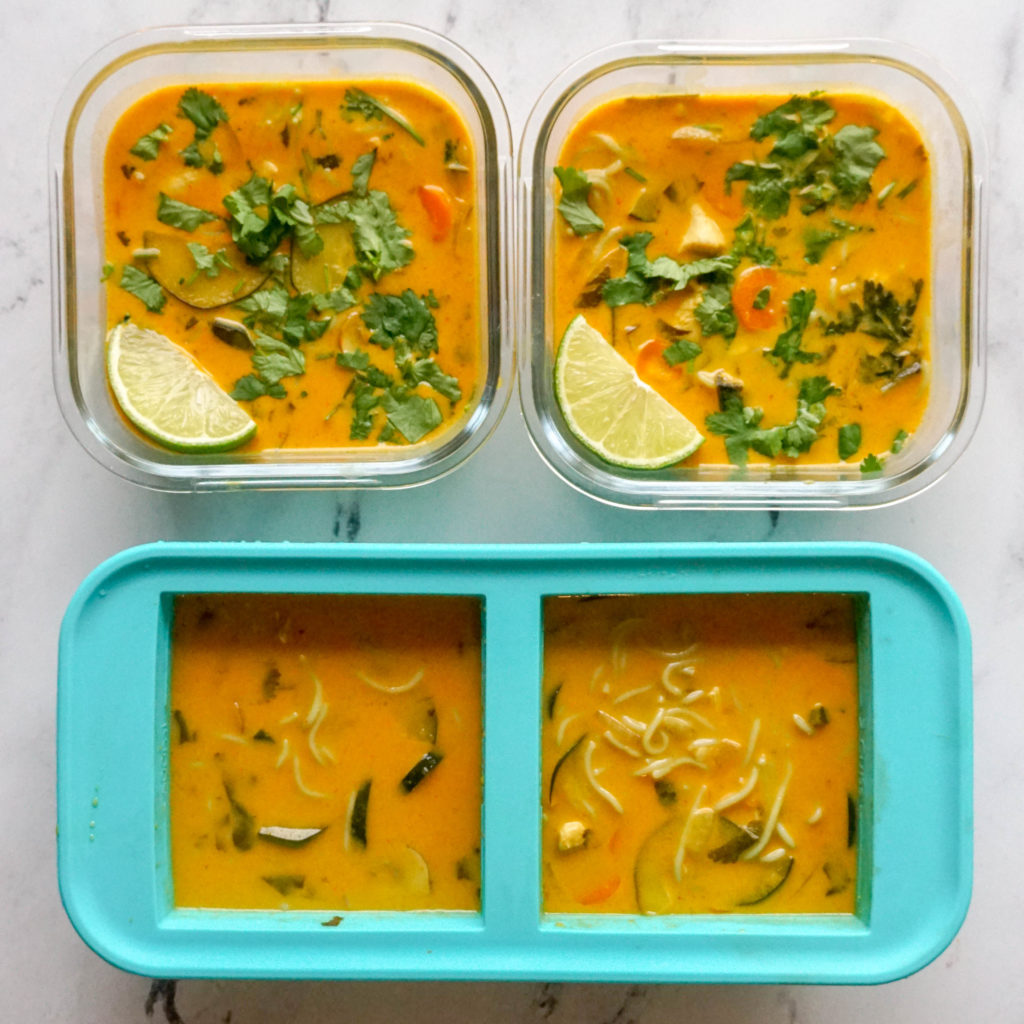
(601, 892)
(749, 285)
(438, 205)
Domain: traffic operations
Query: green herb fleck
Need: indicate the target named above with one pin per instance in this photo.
(371, 108)
(849, 440)
(177, 214)
(574, 205)
(144, 288)
(148, 146)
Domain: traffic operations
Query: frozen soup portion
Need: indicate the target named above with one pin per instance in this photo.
(700, 754)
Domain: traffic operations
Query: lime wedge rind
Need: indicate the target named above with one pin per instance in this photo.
(169, 397)
(611, 411)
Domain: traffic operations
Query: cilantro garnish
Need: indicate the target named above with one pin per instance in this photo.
(403, 322)
(149, 145)
(740, 425)
(787, 348)
(144, 288)
(411, 414)
(646, 281)
(881, 315)
(274, 308)
(177, 214)
(260, 218)
(273, 359)
(749, 240)
(807, 161)
(359, 102)
(715, 314)
(208, 262)
(380, 241)
(682, 350)
(817, 240)
(251, 387)
(899, 441)
(871, 464)
(203, 111)
(849, 440)
(574, 205)
(762, 298)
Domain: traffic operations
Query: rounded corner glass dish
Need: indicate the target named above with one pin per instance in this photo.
(354, 225)
(128, 737)
(798, 80)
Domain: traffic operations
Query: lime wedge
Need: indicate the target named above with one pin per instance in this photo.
(169, 397)
(611, 410)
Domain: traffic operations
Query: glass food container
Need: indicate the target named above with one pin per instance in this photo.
(956, 316)
(130, 68)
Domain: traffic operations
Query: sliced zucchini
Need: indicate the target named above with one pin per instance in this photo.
(653, 875)
(174, 268)
(243, 825)
(329, 267)
(421, 769)
(838, 877)
(732, 839)
(770, 884)
(288, 836)
(285, 884)
(552, 701)
(357, 823)
(851, 820)
(561, 761)
(398, 868)
(184, 734)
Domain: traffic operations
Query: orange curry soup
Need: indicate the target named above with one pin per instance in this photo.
(314, 246)
(325, 752)
(790, 323)
(700, 754)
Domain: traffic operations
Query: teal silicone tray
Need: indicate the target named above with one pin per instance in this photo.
(915, 809)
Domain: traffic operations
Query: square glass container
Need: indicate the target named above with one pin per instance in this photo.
(114, 731)
(129, 68)
(904, 79)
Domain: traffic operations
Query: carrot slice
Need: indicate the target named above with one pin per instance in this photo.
(749, 285)
(438, 205)
(601, 892)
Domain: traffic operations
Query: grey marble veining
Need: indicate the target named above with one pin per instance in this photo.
(62, 514)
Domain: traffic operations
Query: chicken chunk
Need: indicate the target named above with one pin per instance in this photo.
(703, 236)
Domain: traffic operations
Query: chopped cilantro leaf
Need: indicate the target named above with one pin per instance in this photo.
(276, 309)
(359, 102)
(573, 205)
(208, 262)
(740, 425)
(762, 298)
(260, 218)
(403, 322)
(715, 314)
(337, 300)
(353, 360)
(899, 441)
(807, 161)
(849, 440)
(149, 145)
(380, 241)
(203, 111)
(682, 350)
(361, 169)
(788, 350)
(273, 359)
(364, 401)
(180, 215)
(451, 156)
(426, 371)
(144, 288)
(251, 386)
(749, 240)
(108, 269)
(412, 415)
(646, 281)
(871, 464)
(289, 209)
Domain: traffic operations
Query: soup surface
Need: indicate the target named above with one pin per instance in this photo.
(312, 245)
(764, 265)
(325, 752)
(700, 754)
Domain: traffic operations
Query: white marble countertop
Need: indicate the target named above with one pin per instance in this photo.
(63, 513)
